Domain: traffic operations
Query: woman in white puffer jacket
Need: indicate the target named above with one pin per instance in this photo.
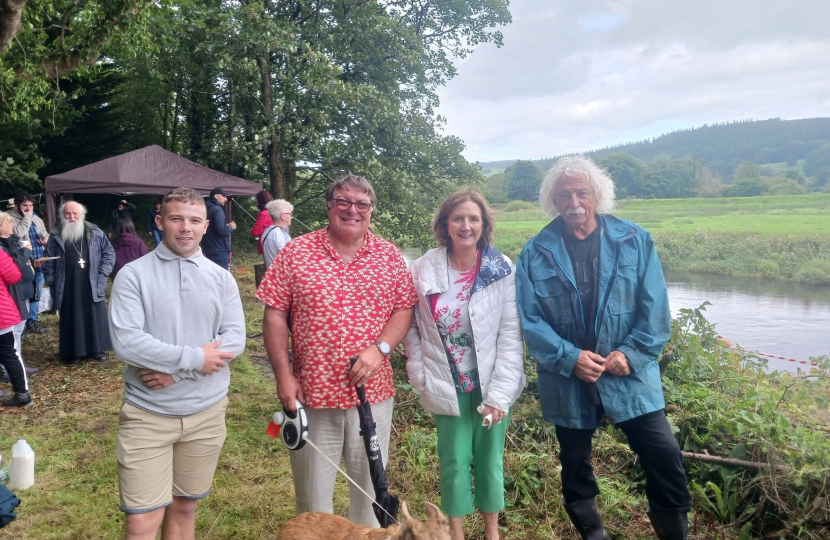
(465, 355)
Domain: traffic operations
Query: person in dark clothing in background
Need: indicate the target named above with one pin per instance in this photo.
(128, 246)
(27, 224)
(216, 244)
(152, 228)
(124, 211)
(20, 250)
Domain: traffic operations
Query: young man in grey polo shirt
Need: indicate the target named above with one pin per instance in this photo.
(176, 319)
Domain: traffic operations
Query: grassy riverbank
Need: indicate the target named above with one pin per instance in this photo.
(720, 403)
(784, 238)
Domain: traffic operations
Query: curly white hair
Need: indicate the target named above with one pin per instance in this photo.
(576, 166)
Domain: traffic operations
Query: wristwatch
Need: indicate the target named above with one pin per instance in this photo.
(383, 347)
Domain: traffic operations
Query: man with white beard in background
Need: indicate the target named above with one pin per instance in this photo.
(78, 283)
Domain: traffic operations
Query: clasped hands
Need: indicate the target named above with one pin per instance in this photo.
(590, 366)
(215, 360)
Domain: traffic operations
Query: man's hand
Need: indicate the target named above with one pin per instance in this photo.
(589, 366)
(214, 358)
(38, 264)
(496, 414)
(27, 210)
(369, 361)
(233, 225)
(42, 241)
(154, 380)
(288, 390)
(617, 364)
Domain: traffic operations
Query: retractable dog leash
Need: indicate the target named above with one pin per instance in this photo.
(292, 428)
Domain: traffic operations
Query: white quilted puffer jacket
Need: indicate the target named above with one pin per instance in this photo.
(497, 335)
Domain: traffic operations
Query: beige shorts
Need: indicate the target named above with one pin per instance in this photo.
(161, 457)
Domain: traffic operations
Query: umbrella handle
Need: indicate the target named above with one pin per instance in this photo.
(361, 391)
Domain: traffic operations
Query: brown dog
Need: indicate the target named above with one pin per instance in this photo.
(320, 526)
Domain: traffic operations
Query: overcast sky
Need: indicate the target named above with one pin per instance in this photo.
(580, 74)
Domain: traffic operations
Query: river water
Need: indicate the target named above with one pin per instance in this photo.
(773, 317)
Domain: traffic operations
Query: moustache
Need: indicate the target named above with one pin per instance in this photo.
(578, 211)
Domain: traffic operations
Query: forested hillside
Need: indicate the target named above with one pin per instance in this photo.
(734, 159)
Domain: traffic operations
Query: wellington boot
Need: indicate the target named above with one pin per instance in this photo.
(669, 524)
(585, 516)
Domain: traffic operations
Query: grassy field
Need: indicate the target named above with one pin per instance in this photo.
(777, 237)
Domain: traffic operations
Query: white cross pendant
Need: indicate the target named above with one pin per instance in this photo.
(81, 262)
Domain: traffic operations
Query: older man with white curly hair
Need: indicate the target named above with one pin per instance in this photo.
(78, 283)
(595, 315)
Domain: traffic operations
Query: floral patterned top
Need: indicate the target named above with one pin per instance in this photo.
(337, 309)
(452, 316)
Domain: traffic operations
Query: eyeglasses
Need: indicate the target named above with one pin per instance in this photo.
(345, 204)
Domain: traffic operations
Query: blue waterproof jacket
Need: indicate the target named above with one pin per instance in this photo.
(632, 316)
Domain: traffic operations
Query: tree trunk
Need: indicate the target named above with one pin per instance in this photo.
(164, 131)
(290, 178)
(276, 174)
(175, 131)
(231, 140)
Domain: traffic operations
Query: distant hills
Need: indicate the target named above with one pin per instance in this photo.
(722, 147)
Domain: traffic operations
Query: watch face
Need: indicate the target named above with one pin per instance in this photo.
(384, 347)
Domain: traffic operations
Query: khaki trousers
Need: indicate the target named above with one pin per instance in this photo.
(337, 433)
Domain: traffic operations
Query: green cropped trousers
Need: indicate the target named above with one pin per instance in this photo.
(462, 442)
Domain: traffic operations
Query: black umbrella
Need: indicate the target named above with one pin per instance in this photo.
(386, 505)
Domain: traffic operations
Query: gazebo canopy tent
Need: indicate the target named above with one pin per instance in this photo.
(148, 171)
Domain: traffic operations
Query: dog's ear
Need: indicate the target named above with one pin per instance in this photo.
(434, 513)
(405, 512)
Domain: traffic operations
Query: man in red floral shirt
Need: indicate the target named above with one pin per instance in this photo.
(349, 294)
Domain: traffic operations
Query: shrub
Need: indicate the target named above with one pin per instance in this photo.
(519, 206)
(814, 271)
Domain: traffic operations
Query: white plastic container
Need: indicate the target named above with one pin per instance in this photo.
(22, 466)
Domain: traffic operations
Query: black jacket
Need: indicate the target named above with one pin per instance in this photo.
(126, 213)
(217, 239)
(24, 289)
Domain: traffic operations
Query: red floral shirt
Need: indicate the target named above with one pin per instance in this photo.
(337, 310)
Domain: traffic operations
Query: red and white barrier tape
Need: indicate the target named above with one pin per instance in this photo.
(805, 362)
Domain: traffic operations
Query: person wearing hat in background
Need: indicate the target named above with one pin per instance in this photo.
(27, 224)
(216, 244)
(123, 211)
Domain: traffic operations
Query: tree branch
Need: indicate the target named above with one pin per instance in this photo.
(11, 13)
(734, 462)
(56, 68)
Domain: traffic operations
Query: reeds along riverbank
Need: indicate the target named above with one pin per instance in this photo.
(804, 258)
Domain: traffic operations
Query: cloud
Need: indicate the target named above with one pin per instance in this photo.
(579, 75)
